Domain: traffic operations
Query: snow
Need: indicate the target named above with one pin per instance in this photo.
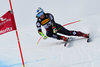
(51, 52)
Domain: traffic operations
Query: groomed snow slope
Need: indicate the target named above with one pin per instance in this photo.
(51, 52)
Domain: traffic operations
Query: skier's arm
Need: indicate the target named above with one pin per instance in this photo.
(44, 37)
(39, 27)
(40, 30)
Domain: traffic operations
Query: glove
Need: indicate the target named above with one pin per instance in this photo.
(54, 30)
(44, 37)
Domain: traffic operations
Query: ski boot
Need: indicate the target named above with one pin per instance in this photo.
(64, 38)
(87, 36)
(67, 40)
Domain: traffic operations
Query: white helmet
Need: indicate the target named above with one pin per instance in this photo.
(39, 12)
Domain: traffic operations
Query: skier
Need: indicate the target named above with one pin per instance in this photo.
(47, 21)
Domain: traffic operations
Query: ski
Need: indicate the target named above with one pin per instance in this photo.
(70, 39)
(67, 43)
(88, 39)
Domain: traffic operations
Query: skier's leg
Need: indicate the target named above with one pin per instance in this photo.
(56, 36)
(71, 33)
(62, 30)
(78, 33)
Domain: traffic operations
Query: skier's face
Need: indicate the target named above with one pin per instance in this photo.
(42, 16)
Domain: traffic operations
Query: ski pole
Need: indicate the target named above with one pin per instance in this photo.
(68, 24)
(39, 40)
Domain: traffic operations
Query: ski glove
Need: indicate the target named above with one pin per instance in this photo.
(54, 30)
(44, 37)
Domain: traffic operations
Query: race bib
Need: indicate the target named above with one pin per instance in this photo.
(45, 21)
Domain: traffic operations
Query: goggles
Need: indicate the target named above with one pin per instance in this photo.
(39, 14)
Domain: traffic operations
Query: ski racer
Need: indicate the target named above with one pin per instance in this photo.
(47, 21)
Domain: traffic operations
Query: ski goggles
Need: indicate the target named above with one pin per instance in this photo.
(39, 14)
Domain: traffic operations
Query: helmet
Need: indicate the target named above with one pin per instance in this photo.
(39, 12)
